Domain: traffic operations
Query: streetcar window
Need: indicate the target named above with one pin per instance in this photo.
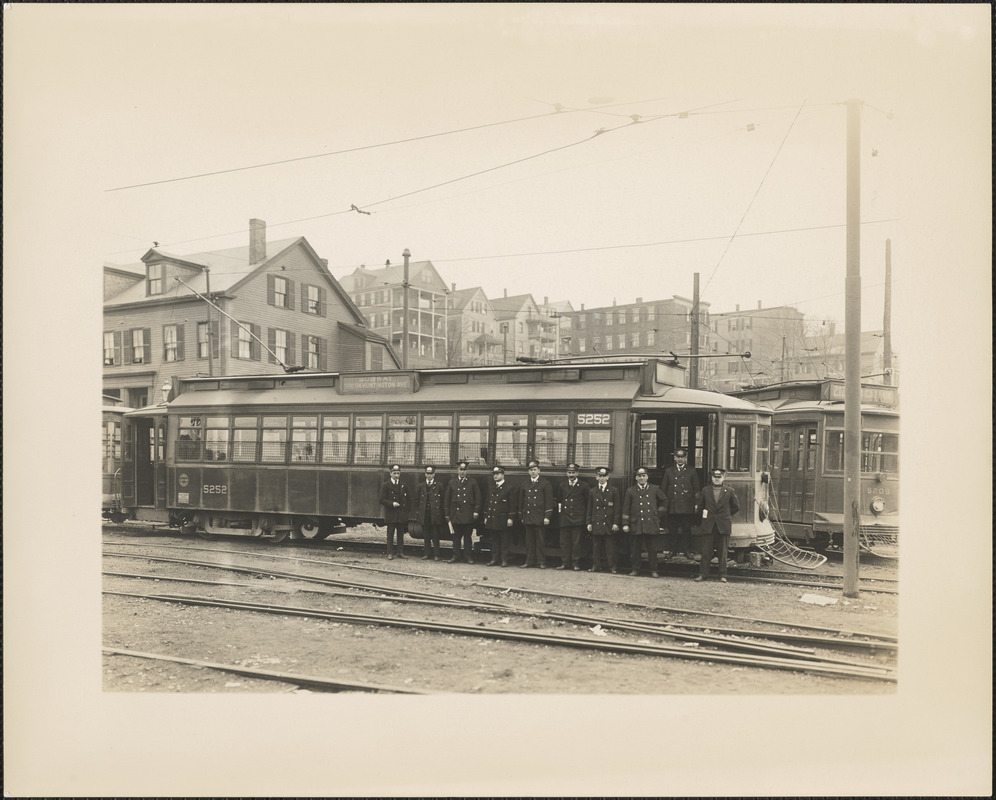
(811, 449)
(369, 439)
(879, 452)
(776, 451)
(648, 441)
(274, 444)
(800, 451)
(216, 438)
(763, 446)
(245, 439)
(304, 439)
(401, 433)
(335, 440)
(189, 435)
(472, 438)
(787, 450)
(833, 461)
(511, 439)
(437, 436)
(699, 446)
(551, 440)
(738, 448)
(112, 445)
(592, 447)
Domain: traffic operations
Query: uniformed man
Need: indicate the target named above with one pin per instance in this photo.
(462, 507)
(499, 516)
(641, 517)
(429, 511)
(682, 489)
(394, 499)
(603, 519)
(572, 499)
(717, 504)
(535, 511)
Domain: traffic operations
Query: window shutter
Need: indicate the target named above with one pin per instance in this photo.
(322, 355)
(304, 297)
(235, 339)
(254, 348)
(304, 349)
(291, 344)
(271, 295)
(147, 344)
(290, 294)
(321, 302)
(117, 347)
(179, 342)
(271, 340)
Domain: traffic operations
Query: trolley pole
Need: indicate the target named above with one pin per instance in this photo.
(693, 368)
(852, 353)
(207, 292)
(404, 320)
(887, 321)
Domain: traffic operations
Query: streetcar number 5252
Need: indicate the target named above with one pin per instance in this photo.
(593, 419)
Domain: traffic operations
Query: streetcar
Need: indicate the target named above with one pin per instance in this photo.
(303, 455)
(807, 463)
(111, 499)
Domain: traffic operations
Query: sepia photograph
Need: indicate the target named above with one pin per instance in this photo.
(494, 397)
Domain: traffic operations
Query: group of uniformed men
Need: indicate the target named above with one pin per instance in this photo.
(599, 510)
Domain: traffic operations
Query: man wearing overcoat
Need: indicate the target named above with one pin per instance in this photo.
(717, 505)
(572, 497)
(429, 511)
(535, 511)
(462, 507)
(394, 499)
(602, 520)
(682, 488)
(641, 518)
(499, 516)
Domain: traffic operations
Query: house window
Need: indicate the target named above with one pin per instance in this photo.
(138, 346)
(280, 345)
(172, 343)
(280, 292)
(245, 342)
(313, 300)
(111, 354)
(155, 278)
(312, 352)
(203, 340)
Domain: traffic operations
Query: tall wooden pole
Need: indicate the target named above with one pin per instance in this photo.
(693, 368)
(207, 291)
(887, 320)
(404, 320)
(852, 353)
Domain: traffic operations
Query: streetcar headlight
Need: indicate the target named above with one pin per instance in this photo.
(878, 505)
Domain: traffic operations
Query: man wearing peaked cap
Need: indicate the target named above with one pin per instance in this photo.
(535, 511)
(602, 519)
(682, 488)
(429, 511)
(642, 509)
(462, 506)
(499, 515)
(717, 505)
(572, 498)
(394, 500)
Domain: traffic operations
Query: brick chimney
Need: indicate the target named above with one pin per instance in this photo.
(639, 300)
(257, 241)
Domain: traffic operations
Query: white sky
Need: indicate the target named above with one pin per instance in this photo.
(98, 97)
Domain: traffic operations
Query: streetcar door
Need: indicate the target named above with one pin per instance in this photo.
(661, 435)
(145, 476)
(159, 462)
(799, 480)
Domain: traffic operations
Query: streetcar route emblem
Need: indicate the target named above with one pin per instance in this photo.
(183, 479)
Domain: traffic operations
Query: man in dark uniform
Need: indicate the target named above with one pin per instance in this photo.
(462, 507)
(717, 504)
(603, 519)
(572, 497)
(429, 511)
(394, 499)
(499, 515)
(682, 489)
(535, 510)
(641, 517)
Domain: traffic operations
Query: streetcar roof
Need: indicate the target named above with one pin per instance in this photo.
(680, 398)
(824, 407)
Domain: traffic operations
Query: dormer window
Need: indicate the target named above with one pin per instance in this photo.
(155, 278)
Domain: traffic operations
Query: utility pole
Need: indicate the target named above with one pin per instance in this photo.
(404, 319)
(784, 359)
(207, 278)
(693, 368)
(887, 321)
(852, 353)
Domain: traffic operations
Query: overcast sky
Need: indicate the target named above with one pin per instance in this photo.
(442, 122)
(748, 190)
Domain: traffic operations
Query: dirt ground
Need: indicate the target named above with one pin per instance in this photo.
(445, 662)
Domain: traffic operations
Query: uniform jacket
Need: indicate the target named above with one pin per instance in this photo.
(573, 503)
(642, 509)
(428, 503)
(720, 512)
(389, 494)
(604, 509)
(682, 489)
(461, 500)
(501, 507)
(535, 501)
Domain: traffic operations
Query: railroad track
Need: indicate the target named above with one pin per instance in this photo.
(772, 651)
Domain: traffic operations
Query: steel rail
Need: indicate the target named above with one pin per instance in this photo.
(588, 598)
(480, 632)
(326, 684)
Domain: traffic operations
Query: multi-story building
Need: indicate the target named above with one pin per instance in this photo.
(655, 326)
(560, 312)
(775, 337)
(472, 332)
(379, 293)
(524, 329)
(823, 357)
(277, 307)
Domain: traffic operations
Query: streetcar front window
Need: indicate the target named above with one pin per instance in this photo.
(738, 448)
(189, 436)
(592, 447)
(551, 440)
(763, 447)
(880, 452)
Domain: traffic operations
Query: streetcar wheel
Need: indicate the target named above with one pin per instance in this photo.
(308, 528)
(277, 536)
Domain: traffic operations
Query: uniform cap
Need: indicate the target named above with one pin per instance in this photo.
(573, 467)
(602, 471)
(395, 468)
(462, 465)
(430, 470)
(718, 473)
(496, 470)
(681, 451)
(532, 464)
(641, 471)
